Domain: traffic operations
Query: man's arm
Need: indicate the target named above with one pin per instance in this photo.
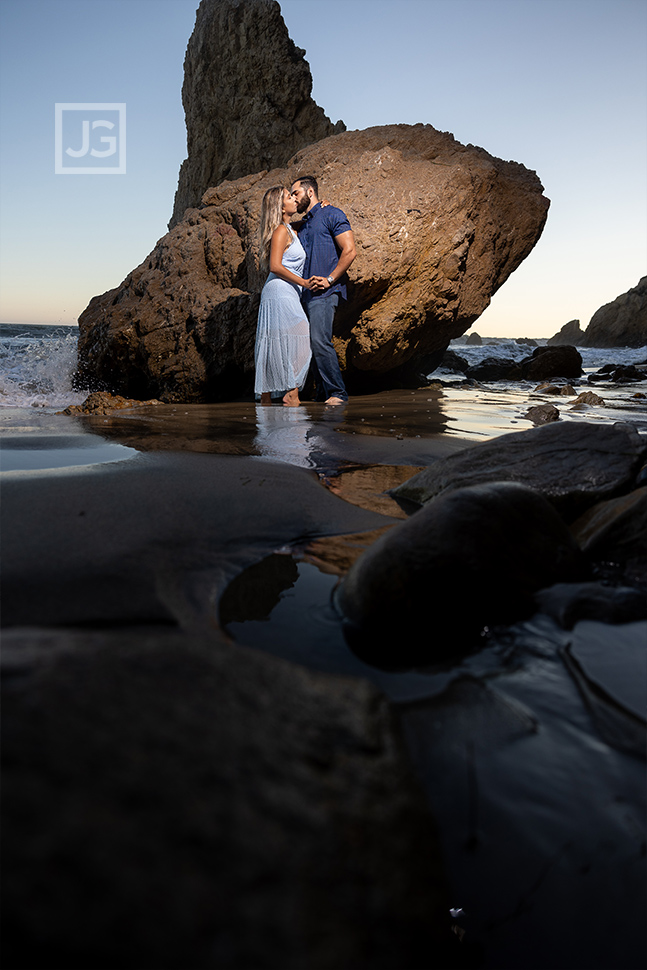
(348, 252)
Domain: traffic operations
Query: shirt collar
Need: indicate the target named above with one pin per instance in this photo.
(309, 215)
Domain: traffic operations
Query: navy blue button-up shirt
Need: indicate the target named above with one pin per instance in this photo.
(317, 236)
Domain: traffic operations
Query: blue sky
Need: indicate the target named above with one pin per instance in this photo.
(559, 85)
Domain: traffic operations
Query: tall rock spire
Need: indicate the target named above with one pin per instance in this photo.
(246, 97)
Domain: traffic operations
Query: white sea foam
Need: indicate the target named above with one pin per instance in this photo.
(37, 364)
(592, 357)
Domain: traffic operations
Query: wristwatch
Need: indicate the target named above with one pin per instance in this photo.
(331, 280)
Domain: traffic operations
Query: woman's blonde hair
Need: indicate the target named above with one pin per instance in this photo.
(271, 218)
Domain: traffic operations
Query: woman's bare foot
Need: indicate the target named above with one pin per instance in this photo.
(291, 399)
(266, 398)
(334, 400)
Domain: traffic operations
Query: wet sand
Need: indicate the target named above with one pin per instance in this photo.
(540, 820)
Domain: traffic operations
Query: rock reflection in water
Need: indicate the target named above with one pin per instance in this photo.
(254, 593)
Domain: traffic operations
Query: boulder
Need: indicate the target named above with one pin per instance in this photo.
(246, 96)
(172, 801)
(474, 339)
(453, 361)
(622, 323)
(545, 363)
(439, 228)
(500, 541)
(587, 397)
(619, 373)
(571, 334)
(100, 402)
(542, 414)
(495, 369)
(574, 465)
(615, 529)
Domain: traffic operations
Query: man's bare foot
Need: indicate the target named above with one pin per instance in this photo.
(266, 398)
(335, 400)
(291, 399)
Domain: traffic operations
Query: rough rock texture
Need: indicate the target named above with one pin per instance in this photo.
(439, 228)
(575, 465)
(501, 541)
(622, 323)
(175, 802)
(615, 529)
(571, 333)
(542, 414)
(246, 97)
(100, 402)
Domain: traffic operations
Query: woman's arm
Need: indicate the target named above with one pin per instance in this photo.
(278, 245)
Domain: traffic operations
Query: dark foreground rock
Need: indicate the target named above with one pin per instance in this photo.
(181, 327)
(501, 542)
(174, 802)
(574, 465)
(622, 323)
(246, 96)
(616, 531)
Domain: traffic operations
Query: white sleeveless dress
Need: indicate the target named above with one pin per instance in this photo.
(282, 353)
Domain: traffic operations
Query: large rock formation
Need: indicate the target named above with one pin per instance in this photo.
(622, 323)
(246, 97)
(439, 227)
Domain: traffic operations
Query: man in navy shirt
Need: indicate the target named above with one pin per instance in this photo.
(328, 240)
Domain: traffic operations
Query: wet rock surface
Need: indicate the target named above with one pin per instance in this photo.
(101, 402)
(502, 541)
(574, 466)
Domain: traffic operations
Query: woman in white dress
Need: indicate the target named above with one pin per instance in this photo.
(282, 354)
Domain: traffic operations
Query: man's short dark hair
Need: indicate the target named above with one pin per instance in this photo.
(309, 182)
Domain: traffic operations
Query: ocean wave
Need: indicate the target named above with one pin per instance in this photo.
(37, 365)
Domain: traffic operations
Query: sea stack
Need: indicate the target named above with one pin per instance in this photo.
(246, 97)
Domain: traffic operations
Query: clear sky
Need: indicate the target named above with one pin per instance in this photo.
(559, 85)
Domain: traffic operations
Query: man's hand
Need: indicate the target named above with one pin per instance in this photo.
(319, 284)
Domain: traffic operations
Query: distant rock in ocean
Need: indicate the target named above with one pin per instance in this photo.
(622, 323)
(570, 334)
(246, 97)
(439, 226)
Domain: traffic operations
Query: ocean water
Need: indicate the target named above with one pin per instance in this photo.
(37, 363)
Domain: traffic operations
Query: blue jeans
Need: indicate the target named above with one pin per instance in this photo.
(321, 314)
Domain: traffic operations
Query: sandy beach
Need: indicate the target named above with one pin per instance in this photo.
(118, 549)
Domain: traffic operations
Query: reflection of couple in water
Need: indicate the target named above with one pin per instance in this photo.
(307, 279)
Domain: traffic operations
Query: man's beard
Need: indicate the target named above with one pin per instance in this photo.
(303, 204)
